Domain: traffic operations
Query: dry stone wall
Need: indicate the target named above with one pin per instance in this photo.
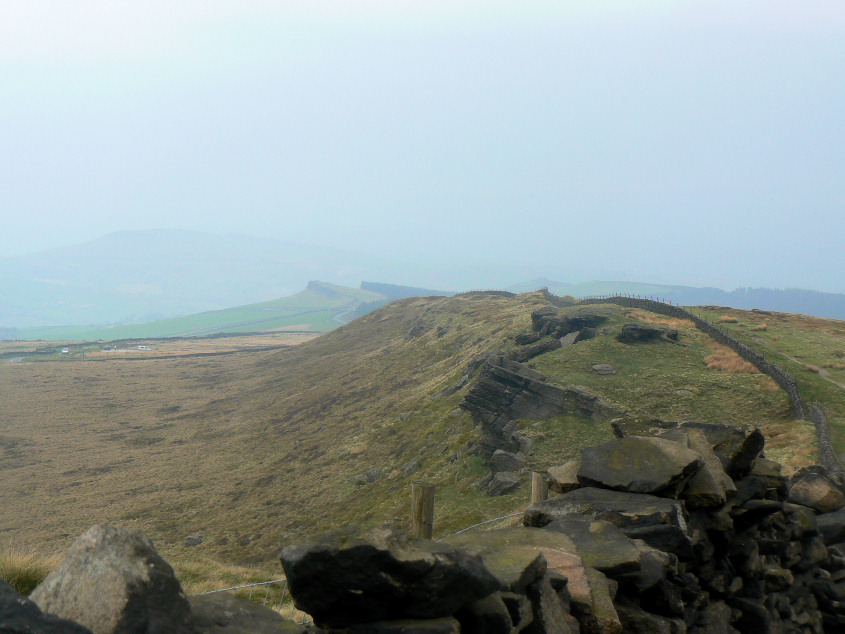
(827, 456)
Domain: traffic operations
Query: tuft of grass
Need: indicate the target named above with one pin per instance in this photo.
(813, 368)
(760, 327)
(24, 569)
(728, 319)
(725, 359)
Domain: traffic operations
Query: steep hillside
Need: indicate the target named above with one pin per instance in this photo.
(255, 449)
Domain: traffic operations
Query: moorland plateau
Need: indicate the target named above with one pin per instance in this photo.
(255, 449)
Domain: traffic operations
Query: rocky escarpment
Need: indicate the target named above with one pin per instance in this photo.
(654, 535)
(506, 391)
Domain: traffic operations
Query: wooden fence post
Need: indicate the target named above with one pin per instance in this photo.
(539, 487)
(422, 510)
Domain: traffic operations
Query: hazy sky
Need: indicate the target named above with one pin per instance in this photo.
(684, 142)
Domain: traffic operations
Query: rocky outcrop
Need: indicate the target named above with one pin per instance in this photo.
(506, 391)
(646, 333)
(112, 580)
(548, 321)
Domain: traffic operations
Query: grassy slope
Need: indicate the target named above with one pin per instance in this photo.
(795, 342)
(253, 449)
(314, 309)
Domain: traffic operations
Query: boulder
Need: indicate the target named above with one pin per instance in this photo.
(580, 320)
(506, 461)
(710, 486)
(817, 488)
(19, 615)
(570, 338)
(639, 464)
(224, 613)
(545, 320)
(525, 338)
(644, 333)
(347, 576)
(660, 522)
(832, 527)
(600, 544)
(193, 540)
(549, 615)
(113, 580)
(489, 615)
(564, 478)
(603, 369)
(502, 483)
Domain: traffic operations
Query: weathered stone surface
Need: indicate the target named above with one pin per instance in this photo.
(712, 472)
(546, 319)
(660, 522)
(344, 577)
(193, 540)
(224, 613)
(489, 615)
(113, 580)
(564, 478)
(19, 615)
(549, 615)
(513, 555)
(502, 483)
(769, 471)
(736, 447)
(600, 544)
(580, 320)
(603, 369)
(639, 464)
(832, 527)
(519, 608)
(570, 338)
(816, 487)
(506, 461)
(643, 333)
(523, 354)
(635, 620)
(526, 338)
(446, 625)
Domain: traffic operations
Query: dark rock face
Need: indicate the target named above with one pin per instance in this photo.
(645, 333)
(502, 483)
(506, 461)
(113, 580)
(19, 615)
(548, 321)
(224, 613)
(346, 577)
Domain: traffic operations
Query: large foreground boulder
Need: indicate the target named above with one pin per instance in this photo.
(19, 615)
(817, 488)
(346, 576)
(113, 581)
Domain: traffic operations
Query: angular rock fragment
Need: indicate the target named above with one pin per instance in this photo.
(489, 615)
(502, 483)
(639, 464)
(506, 461)
(600, 544)
(817, 488)
(564, 478)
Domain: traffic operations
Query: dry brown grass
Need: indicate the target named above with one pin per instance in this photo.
(725, 359)
(728, 319)
(24, 568)
(793, 443)
(813, 368)
(654, 318)
(760, 327)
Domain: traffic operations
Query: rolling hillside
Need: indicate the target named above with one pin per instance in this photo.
(252, 450)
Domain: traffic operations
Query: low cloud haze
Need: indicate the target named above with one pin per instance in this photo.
(685, 142)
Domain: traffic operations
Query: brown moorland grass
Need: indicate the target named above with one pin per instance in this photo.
(726, 359)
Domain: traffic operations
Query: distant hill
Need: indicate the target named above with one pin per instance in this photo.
(135, 276)
(394, 291)
(319, 308)
(789, 300)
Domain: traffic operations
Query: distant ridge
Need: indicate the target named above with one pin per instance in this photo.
(395, 291)
(789, 300)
